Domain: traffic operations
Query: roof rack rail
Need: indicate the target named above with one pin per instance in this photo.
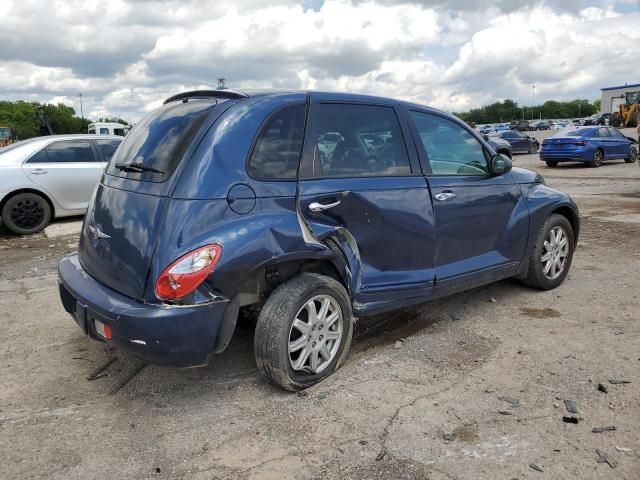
(206, 94)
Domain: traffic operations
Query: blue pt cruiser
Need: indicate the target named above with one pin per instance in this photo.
(311, 208)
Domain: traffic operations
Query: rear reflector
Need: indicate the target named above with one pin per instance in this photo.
(103, 329)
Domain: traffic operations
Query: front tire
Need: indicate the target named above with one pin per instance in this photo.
(551, 256)
(26, 213)
(303, 332)
(598, 158)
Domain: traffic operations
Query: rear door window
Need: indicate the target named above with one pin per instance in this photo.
(160, 140)
(107, 148)
(66, 151)
(360, 141)
(276, 151)
(603, 133)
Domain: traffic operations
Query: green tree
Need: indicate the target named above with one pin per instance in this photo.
(508, 110)
(22, 118)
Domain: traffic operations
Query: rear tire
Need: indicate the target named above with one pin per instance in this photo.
(633, 155)
(545, 252)
(279, 345)
(552, 164)
(598, 158)
(26, 213)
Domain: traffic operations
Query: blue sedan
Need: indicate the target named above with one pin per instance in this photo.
(591, 145)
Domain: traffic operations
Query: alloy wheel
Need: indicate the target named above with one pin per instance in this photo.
(315, 334)
(555, 251)
(27, 213)
(597, 158)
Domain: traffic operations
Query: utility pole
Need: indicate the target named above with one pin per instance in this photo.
(81, 110)
(533, 99)
(221, 83)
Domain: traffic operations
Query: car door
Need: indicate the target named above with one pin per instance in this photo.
(68, 169)
(522, 142)
(605, 142)
(360, 184)
(481, 219)
(619, 142)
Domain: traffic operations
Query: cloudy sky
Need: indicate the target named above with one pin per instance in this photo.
(126, 56)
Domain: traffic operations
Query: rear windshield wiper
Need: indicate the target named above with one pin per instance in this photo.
(136, 167)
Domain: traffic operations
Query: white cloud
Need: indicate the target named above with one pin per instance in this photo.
(126, 56)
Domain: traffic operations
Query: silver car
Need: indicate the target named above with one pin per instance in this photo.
(50, 177)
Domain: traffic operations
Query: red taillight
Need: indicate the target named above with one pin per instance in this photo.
(108, 334)
(185, 274)
(579, 144)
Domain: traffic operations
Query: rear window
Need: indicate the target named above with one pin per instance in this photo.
(107, 148)
(578, 133)
(160, 139)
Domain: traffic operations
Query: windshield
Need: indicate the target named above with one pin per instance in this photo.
(158, 142)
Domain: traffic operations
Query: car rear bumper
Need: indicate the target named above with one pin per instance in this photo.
(563, 156)
(182, 336)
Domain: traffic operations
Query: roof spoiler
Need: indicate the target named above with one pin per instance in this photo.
(206, 94)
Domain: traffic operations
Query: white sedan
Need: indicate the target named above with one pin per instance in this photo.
(50, 177)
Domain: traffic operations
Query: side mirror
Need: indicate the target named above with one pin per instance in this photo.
(500, 164)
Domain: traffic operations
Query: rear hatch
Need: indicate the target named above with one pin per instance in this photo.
(125, 216)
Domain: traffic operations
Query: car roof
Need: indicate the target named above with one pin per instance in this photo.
(255, 93)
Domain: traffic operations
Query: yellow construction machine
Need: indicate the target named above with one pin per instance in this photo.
(628, 113)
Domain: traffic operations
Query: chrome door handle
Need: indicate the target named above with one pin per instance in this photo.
(444, 196)
(38, 171)
(319, 207)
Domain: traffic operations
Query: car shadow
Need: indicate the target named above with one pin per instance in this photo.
(235, 367)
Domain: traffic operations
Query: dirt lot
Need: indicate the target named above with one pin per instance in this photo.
(491, 367)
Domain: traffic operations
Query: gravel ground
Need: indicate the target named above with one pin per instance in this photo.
(468, 387)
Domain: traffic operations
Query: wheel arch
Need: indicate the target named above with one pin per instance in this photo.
(573, 217)
(18, 191)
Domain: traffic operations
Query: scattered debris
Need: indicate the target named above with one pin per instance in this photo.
(363, 442)
(623, 449)
(493, 300)
(618, 382)
(603, 388)
(449, 437)
(504, 412)
(96, 373)
(489, 390)
(571, 406)
(609, 428)
(126, 379)
(572, 419)
(604, 457)
(537, 467)
(398, 344)
(556, 405)
(302, 393)
(381, 455)
(514, 402)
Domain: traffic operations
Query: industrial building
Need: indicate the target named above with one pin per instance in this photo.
(613, 97)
